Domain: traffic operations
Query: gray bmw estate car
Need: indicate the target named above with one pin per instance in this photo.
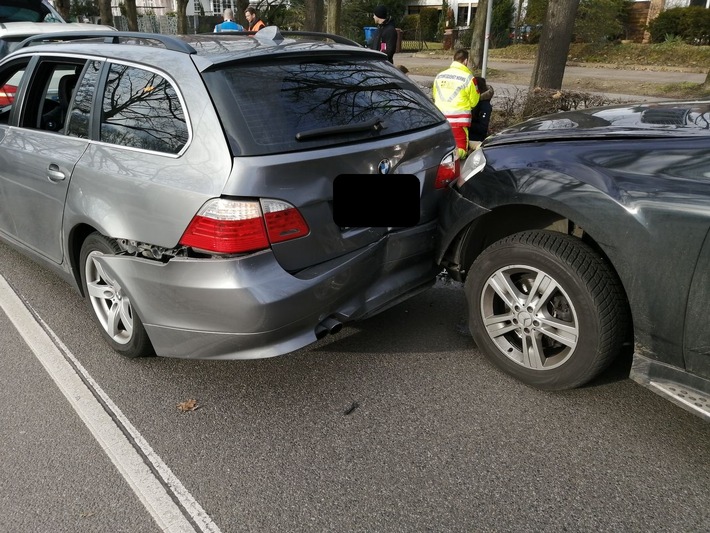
(580, 235)
(186, 185)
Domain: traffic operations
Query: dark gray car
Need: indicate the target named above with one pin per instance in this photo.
(580, 235)
(186, 185)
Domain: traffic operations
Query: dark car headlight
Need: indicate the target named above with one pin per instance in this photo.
(473, 164)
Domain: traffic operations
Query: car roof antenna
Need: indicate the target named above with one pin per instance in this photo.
(269, 34)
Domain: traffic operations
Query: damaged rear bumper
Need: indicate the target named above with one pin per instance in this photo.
(249, 307)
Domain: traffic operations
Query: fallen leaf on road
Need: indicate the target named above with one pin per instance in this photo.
(188, 405)
(352, 408)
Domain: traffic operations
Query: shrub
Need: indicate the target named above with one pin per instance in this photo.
(695, 25)
(522, 104)
(692, 24)
(410, 24)
(600, 20)
(465, 38)
(429, 23)
(502, 20)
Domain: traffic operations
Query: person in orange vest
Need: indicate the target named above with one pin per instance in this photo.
(255, 23)
(455, 93)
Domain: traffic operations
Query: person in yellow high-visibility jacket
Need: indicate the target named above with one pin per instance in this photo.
(455, 93)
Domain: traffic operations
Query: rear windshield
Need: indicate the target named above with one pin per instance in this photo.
(290, 106)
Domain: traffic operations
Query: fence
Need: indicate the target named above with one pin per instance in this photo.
(412, 41)
(168, 25)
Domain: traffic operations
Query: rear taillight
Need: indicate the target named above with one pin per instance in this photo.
(283, 221)
(7, 94)
(449, 170)
(236, 226)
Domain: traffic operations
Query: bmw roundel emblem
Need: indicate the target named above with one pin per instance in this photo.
(385, 166)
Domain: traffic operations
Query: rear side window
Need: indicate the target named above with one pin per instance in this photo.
(291, 106)
(141, 109)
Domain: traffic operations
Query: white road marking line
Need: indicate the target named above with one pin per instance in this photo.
(147, 487)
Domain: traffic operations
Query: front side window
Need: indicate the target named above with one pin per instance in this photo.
(141, 109)
(10, 78)
(290, 106)
(49, 94)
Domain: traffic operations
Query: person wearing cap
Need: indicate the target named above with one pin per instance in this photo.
(455, 94)
(255, 23)
(228, 24)
(385, 38)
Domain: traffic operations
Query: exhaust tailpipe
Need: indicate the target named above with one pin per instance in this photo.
(329, 325)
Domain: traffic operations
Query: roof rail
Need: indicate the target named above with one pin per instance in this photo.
(168, 41)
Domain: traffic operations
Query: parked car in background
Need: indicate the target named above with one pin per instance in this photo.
(581, 234)
(20, 19)
(525, 34)
(186, 186)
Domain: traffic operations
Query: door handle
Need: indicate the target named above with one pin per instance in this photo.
(54, 174)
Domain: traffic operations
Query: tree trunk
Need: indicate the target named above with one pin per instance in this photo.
(314, 15)
(707, 79)
(479, 35)
(105, 12)
(132, 15)
(554, 44)
(182, 17)
(242, 5)
(63, 7)
(334, 11)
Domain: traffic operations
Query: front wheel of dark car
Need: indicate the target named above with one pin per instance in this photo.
(110, 305)
(546, 308)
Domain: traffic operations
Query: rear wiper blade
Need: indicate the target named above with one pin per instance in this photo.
(376, 124)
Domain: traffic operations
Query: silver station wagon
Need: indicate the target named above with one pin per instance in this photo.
(188, 186)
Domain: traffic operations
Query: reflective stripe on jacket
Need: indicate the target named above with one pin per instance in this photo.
(455, 94)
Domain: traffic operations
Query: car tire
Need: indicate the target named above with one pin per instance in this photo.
(546, 308)
(111, 308)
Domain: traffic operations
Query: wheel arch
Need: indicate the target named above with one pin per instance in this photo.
(496, 224)
(507, 220)
(76, 239)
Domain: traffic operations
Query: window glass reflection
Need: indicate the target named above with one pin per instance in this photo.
(280, 100)
(141, 109)
(80, 114)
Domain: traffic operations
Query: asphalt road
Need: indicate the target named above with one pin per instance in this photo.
(395, 424)
(614, 80)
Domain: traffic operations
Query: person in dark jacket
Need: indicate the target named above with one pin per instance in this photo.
(481, 114)
(385, 39)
